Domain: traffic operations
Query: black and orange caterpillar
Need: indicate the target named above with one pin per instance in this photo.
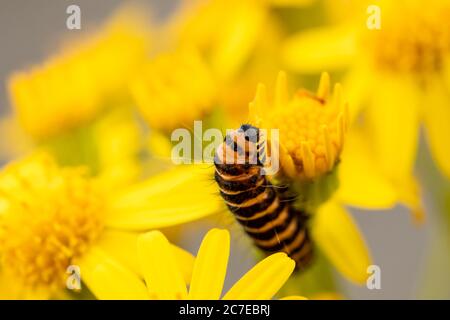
(263, 210)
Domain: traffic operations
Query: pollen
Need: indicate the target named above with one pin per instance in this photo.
(416, 41)
(311, 126)
(48, 217)
(174, 89)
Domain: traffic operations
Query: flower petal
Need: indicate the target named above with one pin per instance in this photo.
(161, 271)
(393, 123)
(210, 267)
(361, 183)
(393, 119)
(339, 238)
(185, 261)
(108, 279)
(264, 280)
(179, 196)
(244, 24)
(357, 90)
(326, 48)
(121, 245)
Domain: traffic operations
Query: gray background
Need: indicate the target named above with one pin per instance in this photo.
(29, 30)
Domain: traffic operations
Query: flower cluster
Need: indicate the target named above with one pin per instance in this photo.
(86, 177)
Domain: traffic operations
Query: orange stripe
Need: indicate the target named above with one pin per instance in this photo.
(282, 217)
(278, 238)
(300, 237)
(273, 206)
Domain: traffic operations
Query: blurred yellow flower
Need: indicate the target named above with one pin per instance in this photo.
(164, 279)
(50, 218)
(174, 89)
(114, 155)
(88, 75)
(399, 73)
(226, 37)
(118, 146)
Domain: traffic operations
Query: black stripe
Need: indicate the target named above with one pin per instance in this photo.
(304, 260)
(241, 185)
(281, 245)
(261, 221)
(305, 241)
(231, 169)
(250, 211)
(269, 234)
(241, 197)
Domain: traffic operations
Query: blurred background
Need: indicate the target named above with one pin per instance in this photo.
(414, 260)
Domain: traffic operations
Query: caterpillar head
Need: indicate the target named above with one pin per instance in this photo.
(241, 147)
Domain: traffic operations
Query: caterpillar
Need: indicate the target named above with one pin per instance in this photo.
(262, 208)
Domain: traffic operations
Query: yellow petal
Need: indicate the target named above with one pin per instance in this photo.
(121, 245)
(393, 123)
(361, 183)
(108, 279)
(327, 48)
(210, 267)
(158, 184)
(162, 272)
(185, 261)
(264, 280)
(339, 238)
(180, 196)
(357, 90)
(244, 25)
(409, 195)
(437, 119)
(159, 145)
(393, 118)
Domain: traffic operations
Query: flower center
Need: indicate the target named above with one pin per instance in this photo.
(48, 217)
(414, 36)
(312, 129)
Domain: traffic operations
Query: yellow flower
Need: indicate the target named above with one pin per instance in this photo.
(112, 155)
(167, 94)
(312, 133)
(333, 229)
(239, 40)
(118, 144)
(400, 74)
(72, 87)
(224, 31)
(51, 218)
(312, 127)
(164, 279)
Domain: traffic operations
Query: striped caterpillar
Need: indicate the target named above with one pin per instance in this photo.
(262, 208)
